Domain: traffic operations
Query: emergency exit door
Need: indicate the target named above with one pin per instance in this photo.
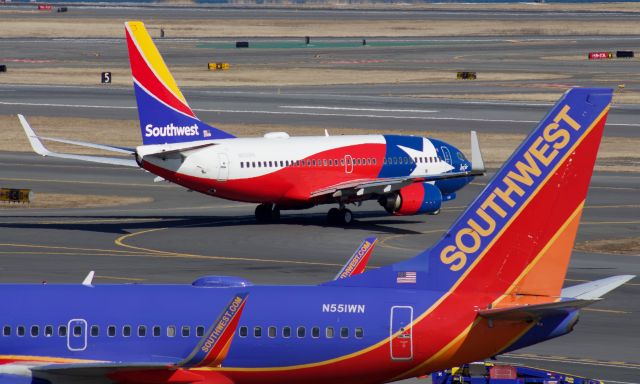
(401, 333)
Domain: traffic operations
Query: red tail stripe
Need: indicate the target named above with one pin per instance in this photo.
(145, 76)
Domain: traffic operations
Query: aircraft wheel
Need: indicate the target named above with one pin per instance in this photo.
(346, 216)
(263, 213)
(333, 216)
(434, 212)
(274, 213)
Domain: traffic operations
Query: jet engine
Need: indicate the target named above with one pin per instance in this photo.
(413, 199)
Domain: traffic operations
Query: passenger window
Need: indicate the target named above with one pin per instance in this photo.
(241, 164)
(244, 331)
(156, 331)
(199, 331)
(142, 331)
(329, 333)
(111, 331)
(309, 163)
(126, 331)
(171, 331)
(186, 330)
(253, 164)
(257, 331)
(344, 332)
(314, 163)
(20, 331)
(6, 330)
(286, 332)
(62, 330)
(357, 161)
(301, 332)
(341, 161)
(48, 331)
(281, 163)
(315, 332)
(77, 331)
(359, 333)
(271, 332)
(395, 160)
(35, 331)
(330, 162)
(415, 159)
(270, 164)
(373, 161)
(324, 162)
(95, 331)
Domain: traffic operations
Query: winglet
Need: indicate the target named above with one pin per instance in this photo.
(35, 142)
(88, 281)
(358, 261)
(595, 289)
(477, 164)
(214, 345)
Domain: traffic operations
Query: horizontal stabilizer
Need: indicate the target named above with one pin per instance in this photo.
(358, 261)
(40, 149)
(595, 289)
(533, 311)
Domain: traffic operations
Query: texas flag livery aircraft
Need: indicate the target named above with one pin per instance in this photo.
(408, 175)
(492, 284)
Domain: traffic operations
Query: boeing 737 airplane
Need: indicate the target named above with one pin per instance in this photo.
(408, 175)
(492, 284)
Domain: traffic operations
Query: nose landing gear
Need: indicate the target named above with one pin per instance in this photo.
(267, 213)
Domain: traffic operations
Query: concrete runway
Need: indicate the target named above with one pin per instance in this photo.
(180, 235)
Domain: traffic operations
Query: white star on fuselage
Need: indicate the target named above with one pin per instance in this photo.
(428, 150)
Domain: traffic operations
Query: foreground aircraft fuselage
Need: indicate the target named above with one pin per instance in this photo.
(493, 283)
(407, 175)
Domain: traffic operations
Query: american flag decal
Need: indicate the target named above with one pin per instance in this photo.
(406, 278)
(206, 133)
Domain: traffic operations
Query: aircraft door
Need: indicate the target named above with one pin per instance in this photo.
(348, 164)
(446, 154)
(223, 167)
(77, 335)
(402, 343)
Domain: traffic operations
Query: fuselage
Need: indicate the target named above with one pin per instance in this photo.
(319, 333)
(287, 170)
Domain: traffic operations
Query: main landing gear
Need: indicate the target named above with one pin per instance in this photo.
(342, 216)
(267, 213)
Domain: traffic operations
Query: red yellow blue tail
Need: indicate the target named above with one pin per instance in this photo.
(165, 116)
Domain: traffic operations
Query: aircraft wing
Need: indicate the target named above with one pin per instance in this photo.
(358, 261)
(39, 148)
(364, 187)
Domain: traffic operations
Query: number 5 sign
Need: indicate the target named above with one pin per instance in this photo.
(105, 78)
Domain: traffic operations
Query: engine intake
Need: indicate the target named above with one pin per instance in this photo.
(413, 199)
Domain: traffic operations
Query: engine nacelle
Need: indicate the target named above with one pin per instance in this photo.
(413, 199)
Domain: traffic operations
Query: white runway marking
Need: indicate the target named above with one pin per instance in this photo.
(304, 113)
(357, 109)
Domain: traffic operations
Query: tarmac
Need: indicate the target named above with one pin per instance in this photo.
(180, 236)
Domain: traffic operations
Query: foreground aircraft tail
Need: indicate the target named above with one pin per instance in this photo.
(165, 116)
(517, 235)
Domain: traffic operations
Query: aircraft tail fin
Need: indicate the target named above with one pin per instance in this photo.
(516, 237)
(521, 229)
(165, 116)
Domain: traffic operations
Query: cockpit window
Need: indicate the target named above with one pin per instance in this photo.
(461, 156)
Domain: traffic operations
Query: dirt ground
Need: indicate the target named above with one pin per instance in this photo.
(252, 76)
(616, 154)
(59, 200)
(77, 26)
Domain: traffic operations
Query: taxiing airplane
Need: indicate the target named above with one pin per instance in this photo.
(492, 284)
(408, 175)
